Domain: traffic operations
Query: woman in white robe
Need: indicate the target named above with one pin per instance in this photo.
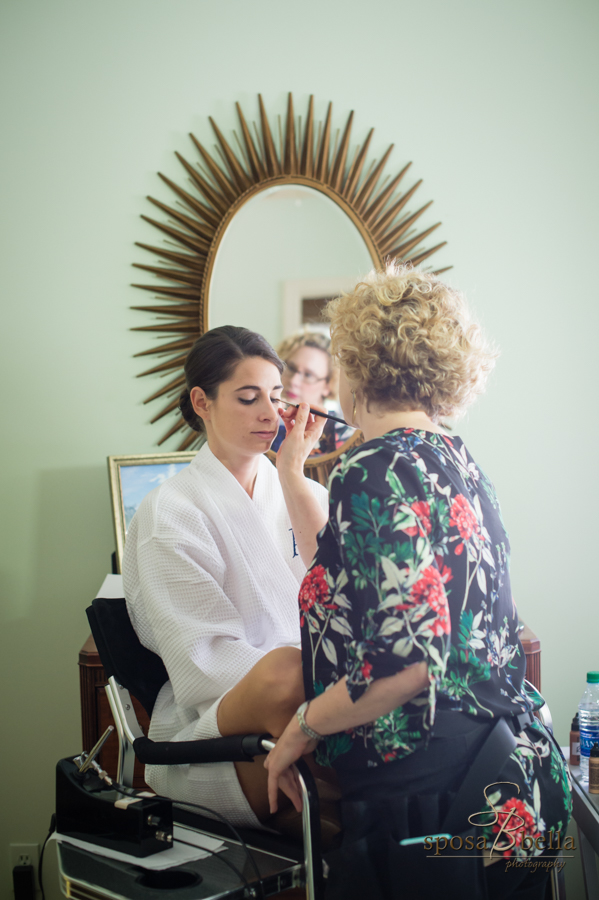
(212, 567)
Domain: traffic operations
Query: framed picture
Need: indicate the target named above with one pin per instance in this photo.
(131, 478)
(305, 298)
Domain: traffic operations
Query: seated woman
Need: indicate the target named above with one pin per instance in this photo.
(409, 633)
(310, 377)
(212, 567)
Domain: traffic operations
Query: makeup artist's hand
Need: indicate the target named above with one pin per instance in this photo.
(303, 433)
(292, 744)
(305, 510)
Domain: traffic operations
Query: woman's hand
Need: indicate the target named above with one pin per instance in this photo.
(306, 514)
(335, 711)
(292, 744)
(303, 433)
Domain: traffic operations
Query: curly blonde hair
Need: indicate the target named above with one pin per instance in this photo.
(319, 341)
(407, 341)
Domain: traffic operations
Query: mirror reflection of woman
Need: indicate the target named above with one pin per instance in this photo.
(410, 637)
(212, 567)
(310, 377)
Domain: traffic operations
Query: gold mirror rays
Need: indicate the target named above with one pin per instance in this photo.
(308, 154)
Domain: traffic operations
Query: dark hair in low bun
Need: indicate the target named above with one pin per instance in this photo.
(213, 359)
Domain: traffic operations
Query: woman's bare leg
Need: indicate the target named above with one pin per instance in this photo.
(264, 701)
(266, 698)
(253, 777)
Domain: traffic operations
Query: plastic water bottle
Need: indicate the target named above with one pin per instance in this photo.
(588, 718)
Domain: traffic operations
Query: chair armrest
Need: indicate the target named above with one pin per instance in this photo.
(236, 748)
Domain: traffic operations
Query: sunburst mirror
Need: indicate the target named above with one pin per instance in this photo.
(311, 213)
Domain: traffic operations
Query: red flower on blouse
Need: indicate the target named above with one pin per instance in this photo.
(314, 589)
(520, 824)
(430, 589)
(422, 511)
(463, 516)
(366, 669)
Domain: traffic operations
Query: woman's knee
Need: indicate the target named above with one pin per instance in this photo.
(266, 698)
(283, 686)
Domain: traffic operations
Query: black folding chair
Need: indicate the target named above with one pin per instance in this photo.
(132, 669)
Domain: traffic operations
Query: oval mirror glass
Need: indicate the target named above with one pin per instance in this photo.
(287, 251)
(287, 245)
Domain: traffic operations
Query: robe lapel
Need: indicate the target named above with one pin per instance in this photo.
(238, 514)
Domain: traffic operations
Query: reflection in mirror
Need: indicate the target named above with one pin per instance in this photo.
(287, 249)
(310, 376)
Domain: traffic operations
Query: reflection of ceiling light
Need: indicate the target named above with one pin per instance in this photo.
(296, 194)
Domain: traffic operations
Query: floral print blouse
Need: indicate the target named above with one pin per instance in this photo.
(413, 565)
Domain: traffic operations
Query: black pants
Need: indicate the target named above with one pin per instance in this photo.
(410, 798)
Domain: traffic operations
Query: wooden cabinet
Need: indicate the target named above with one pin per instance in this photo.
(96, 715)
(532, 648)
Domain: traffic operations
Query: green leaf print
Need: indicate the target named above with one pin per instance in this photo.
(401, 552)
(464, 667)
(358, 544)
(350, 462)
(398, 491)
(334, 745)
(395, 732)
(367, 513)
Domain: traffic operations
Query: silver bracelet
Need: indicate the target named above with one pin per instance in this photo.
(301, 712)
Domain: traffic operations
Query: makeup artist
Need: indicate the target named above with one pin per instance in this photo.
(409, 633)
(311, 377)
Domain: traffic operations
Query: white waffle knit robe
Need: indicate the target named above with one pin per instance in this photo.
(211, 578)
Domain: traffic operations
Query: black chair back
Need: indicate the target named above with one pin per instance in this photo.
(123, 656)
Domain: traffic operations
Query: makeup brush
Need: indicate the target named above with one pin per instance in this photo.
(316, 412)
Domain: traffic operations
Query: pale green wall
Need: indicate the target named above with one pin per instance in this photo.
(493, 100)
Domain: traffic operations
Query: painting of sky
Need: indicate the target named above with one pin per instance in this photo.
(137, 481)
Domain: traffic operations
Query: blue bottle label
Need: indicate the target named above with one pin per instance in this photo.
(587, 739)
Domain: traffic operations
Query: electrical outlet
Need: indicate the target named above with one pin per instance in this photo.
(25, 855)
